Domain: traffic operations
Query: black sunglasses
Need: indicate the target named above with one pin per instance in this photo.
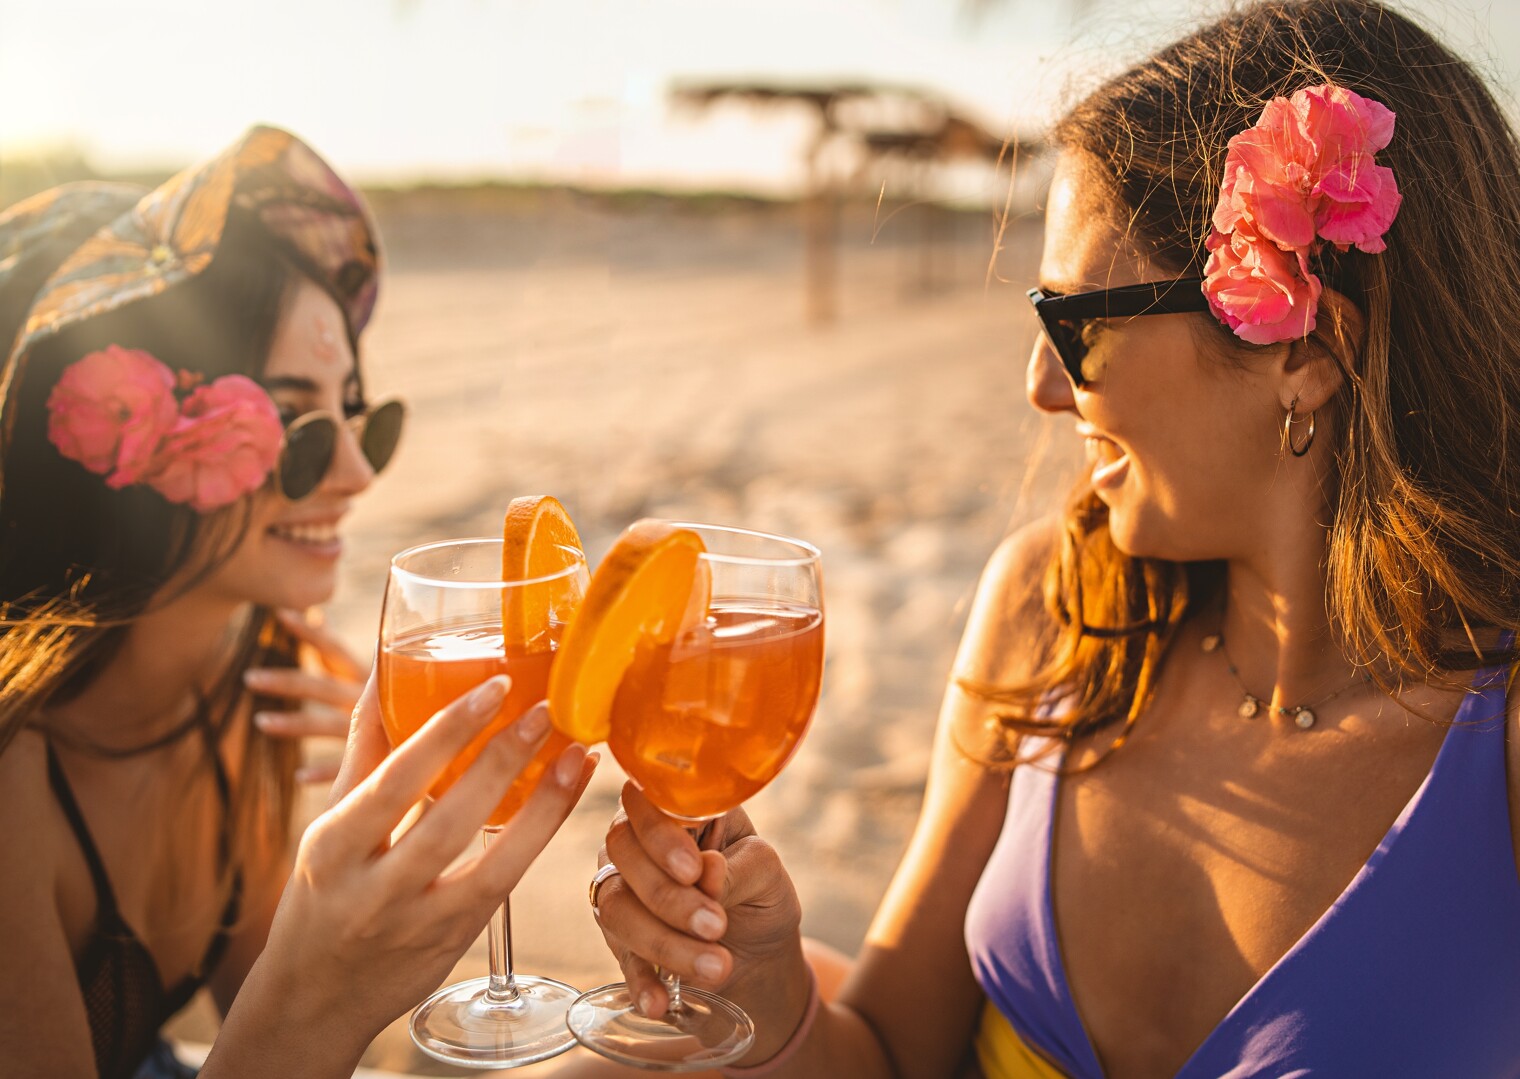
(1062, 315)
(312, 439)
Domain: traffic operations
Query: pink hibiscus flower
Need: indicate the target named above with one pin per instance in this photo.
(110, 410)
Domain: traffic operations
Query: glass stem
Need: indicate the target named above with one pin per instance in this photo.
(673, 981)
(501, 987)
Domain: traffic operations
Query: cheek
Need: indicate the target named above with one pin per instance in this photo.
(264, 511)
(253, 545)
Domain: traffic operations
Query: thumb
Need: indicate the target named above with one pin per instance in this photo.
(714, 879)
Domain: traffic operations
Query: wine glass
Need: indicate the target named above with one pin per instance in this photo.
(441, 634)
(700, 724)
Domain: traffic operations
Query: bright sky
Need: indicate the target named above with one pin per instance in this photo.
(556, 89)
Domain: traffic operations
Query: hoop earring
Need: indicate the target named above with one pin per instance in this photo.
(1297, 451)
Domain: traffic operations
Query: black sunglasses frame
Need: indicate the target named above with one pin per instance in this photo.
(297, 478)
(1061, 314)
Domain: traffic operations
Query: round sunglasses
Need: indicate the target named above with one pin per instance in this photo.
(312, 440)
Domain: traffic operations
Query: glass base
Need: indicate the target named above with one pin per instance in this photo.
(460, 1025)
(706, 1032)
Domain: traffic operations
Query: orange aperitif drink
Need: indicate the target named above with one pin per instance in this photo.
(457, 613)
(422, 672)
(697, 656)
(704, 721)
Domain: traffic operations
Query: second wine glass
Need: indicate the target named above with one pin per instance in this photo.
(700, 723)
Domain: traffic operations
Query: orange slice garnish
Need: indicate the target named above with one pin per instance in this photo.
(651, 585)
(537, 537)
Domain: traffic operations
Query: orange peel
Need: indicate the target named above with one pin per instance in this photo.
(651, 585)
(535, 533)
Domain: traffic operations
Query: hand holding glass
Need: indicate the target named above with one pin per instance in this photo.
(441, 633)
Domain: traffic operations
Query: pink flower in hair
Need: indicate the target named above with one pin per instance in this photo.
(1302, 176)
(223, 447)
(110, 410)
(1262, 293)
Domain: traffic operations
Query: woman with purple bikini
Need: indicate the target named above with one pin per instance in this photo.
(1227, 779)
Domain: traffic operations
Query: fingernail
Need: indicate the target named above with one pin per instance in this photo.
(706, 924)
(266, 721)
(709, 967)
(533, 724)
(255, 677)
(646, 1003)
(685, 864)
(568, 771)
(305, 775)
(487, 696)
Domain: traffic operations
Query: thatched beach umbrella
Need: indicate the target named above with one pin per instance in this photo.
(882, 123)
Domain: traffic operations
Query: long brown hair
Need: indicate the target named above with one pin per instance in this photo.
(1423, 552)
(79, 562)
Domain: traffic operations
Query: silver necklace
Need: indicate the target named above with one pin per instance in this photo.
(1251, 705)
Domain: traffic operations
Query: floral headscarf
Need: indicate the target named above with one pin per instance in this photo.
(154, 240)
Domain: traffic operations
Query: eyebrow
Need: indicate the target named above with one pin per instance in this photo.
(289, 382)
(305, 385)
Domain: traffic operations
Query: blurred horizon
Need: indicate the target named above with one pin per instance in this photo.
(574, 92)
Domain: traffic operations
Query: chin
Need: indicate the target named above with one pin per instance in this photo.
(299, 592)
(275, 583)
(1142, 535)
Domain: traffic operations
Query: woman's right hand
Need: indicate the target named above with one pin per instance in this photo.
(724, 918)
(366, 927)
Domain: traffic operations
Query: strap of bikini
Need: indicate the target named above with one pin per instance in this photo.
(104, 896)
(224, 843)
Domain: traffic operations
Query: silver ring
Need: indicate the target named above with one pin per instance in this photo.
(601, 877)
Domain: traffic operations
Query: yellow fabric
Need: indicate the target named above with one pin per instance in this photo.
(1002, 1054)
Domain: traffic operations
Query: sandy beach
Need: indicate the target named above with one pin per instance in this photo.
(646, 356)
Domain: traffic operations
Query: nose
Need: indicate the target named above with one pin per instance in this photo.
(1046, 382)
(350, 472)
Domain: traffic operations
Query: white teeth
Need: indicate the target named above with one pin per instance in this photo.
(1101, 451)
(307, 533)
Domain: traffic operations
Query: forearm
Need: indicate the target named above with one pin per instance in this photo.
(248, 943)
(276, 1027)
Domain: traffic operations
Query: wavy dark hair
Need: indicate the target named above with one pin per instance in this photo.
(1423, 553)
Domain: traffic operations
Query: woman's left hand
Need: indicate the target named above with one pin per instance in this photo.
(322, 690)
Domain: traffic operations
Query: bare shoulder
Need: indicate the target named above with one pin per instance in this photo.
(43, 1028)
(24, 794)
(28, 835)
(1001, 645)
(1008, 618)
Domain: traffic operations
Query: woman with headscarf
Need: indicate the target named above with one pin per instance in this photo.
(183, 426)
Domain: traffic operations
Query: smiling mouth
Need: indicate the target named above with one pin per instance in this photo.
(309, 535)
(1109, 462)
